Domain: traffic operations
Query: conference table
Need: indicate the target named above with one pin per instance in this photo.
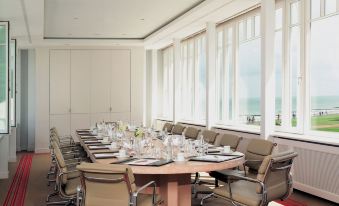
(173, 180)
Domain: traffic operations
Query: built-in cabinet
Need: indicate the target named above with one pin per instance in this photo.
(87, 86)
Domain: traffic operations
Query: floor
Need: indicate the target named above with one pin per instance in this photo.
(38, 190)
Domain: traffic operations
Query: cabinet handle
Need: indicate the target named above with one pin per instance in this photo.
(110, 109)
(69, 110)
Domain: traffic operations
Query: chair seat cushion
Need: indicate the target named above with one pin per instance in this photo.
(73, 175)
(71, 186)
(146, 199)
(222, 174)
(242, 191)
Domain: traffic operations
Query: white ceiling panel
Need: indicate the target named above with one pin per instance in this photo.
(110, 18)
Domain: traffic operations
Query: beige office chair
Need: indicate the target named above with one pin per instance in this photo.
(178, 129)
(167, 127)
(67, 180)
(229, 140)
(192, 132)
(104, 184)
(209, 136)
(257, 150)
(273, 182)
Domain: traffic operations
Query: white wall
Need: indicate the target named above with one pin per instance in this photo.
(42, 90)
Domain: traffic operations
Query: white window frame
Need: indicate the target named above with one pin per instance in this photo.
(190, 112)
(6, 24)
(233, 123)
(13, 84)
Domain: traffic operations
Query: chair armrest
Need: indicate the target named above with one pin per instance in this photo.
(135, 194)
(238, 177)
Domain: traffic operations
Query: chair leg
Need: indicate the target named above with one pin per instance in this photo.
(57, 203)
(51, 195)
(205, 198)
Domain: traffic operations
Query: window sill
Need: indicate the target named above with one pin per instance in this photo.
(164, 119)
(193, 123)
(329, 141)
(243, 129)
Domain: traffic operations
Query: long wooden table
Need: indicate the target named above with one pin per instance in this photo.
(173, 180)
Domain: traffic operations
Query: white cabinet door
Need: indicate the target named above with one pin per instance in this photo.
(80, 81)
(100, 81)
(61, 122)
(99, 117)
(79, 121)
(59, 81)
(121, 84)
(121, 116)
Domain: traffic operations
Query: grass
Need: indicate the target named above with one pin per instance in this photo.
(329, 123)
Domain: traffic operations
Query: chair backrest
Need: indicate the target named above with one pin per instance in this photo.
(177, 129)
(60, 161)
(231, 140)
(167, 127)
(258, 149)
(209, 136)
(274, 172)
(105, 184)
(192, 132)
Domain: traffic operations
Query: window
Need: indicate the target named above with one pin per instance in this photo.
(4, 50)
(324, 71)
(238, 67)
(165, 82)
(12, 80)
(278, 63)
(249, 68)
(288, 68)
(193, 79)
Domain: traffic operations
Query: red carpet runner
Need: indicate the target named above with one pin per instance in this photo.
(17, 191)
(290, 202)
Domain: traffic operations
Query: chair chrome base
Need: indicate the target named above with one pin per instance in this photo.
(205, 198)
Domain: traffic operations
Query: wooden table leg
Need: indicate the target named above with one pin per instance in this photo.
(175, 189)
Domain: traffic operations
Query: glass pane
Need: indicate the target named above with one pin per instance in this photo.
(257, 26)
(241, 31)
(330, 6)
(295, 8)
(230, 79)
(324, 75)
(219, 77)
(295, 68)
(190, 80)
(3, 79)
(278, 18)
(3, 34)
(315, 9)
(202, 79)
(229, 35)
(249, 28)
(249, 82)
(12, 81)
(278, 76)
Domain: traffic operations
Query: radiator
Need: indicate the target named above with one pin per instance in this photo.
(316, 169)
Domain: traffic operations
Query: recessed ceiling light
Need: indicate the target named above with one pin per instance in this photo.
(123, 34)
(75, 18)
(142, 19)
(69, 34)
(97, 34)
(66, 44)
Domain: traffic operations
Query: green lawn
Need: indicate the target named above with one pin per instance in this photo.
(329, 123)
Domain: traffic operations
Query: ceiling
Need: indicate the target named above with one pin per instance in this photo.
(152, 24)
(111, 19)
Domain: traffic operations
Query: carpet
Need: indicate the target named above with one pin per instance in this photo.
(17, 190)
(290, 202)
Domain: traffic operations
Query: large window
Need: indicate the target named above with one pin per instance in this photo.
(238, 69)
(193, 80)
(12, 80)
(165, 85)
(324, 69)
(249, 68)
(4, 50)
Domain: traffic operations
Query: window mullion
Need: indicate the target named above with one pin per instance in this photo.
(225, 77)
(236, 73)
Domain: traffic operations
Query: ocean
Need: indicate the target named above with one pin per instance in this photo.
(251, 106)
